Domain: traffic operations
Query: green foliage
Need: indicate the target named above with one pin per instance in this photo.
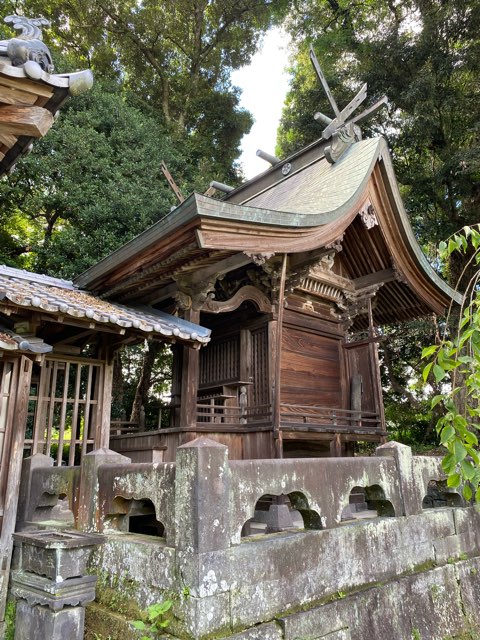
(175, 56)
(455, 364)
(409, 418)
(10, 613)
(157, 619)
(425, 57)
(90, 185)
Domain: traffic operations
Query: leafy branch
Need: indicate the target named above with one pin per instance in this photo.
(157, 619)
(455, 365)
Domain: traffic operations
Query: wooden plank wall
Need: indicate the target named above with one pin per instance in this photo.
(311, 368)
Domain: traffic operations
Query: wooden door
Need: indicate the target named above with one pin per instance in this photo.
(311, 369)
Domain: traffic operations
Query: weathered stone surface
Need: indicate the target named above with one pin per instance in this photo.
(41, 622)
(428, 603)
(202, 497)
(58, 555)
(468, 576)
(342, 634)
(271, 631)
(55, 595)
(143, 567)
(206, 574)
(101, 622)
(89, 511)
(221, 584)
(325, 485)
(202, 615)
(26, 501)
(154, 482)
(298, 568)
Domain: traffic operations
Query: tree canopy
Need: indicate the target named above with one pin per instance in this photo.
(92, 184)
(175, 56)
(422, 54)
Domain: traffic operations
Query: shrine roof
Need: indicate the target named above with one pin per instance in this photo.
(321, 189)
(61, 297)
(309, 208)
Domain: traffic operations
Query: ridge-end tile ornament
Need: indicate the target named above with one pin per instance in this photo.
(27, 48)
(340, 130)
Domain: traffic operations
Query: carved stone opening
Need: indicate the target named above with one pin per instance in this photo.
(275, 513)
(365, 503)
(440, 495)
(136, 516)
(53, 507)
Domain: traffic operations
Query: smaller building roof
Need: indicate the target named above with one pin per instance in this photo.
(10, 341)
(53, 295)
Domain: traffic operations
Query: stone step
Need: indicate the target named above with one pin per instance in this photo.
(103, 623)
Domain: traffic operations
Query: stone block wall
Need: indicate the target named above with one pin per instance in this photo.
(328, 579)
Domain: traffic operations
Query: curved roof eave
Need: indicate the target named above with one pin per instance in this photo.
(200, 206)
(386, 167)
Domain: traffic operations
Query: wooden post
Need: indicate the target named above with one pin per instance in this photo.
(190, 371)
(14, 455)
(102, 435)
(373, 349)
(246, 362)
(278, 363)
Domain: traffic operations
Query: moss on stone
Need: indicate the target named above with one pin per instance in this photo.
(104, 624)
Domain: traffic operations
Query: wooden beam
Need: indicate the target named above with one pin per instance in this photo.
(379, 277)
(7, 140)
(24, 84)
(9, 95)
(222, 266)
(22, 120)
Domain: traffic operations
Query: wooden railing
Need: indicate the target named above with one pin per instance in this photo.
(120, 427)
(214, 412)
(312, 418)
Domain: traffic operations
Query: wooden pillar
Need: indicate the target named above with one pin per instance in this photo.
(278, 363)
(246, 368)
(190, 372)
(14, 454)
(102, 435)
(336, 446)
(373, 350)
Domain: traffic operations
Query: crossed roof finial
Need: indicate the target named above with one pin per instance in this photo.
(343, 131)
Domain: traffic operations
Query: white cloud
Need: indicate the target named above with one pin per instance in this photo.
(264, 83)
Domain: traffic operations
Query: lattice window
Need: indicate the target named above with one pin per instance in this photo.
(260, 390)
(64, 410)
(219, 361)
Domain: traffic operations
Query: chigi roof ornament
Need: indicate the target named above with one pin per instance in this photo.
(343, 132)
(28, 45)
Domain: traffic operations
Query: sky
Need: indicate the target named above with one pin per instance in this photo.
(264, 83)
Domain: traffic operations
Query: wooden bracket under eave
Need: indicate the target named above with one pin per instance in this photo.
(21, 120)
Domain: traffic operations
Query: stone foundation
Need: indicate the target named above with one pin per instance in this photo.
(407, 571)
(373, 580)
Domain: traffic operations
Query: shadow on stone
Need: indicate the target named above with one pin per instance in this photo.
(440, 495)
(281, 513)
(136, 516)
(366, 503)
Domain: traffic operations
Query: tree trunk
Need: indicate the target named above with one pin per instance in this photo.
(144, 381)
(118, 388)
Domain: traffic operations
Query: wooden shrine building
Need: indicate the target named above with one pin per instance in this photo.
(294, 273)
(272, 298)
